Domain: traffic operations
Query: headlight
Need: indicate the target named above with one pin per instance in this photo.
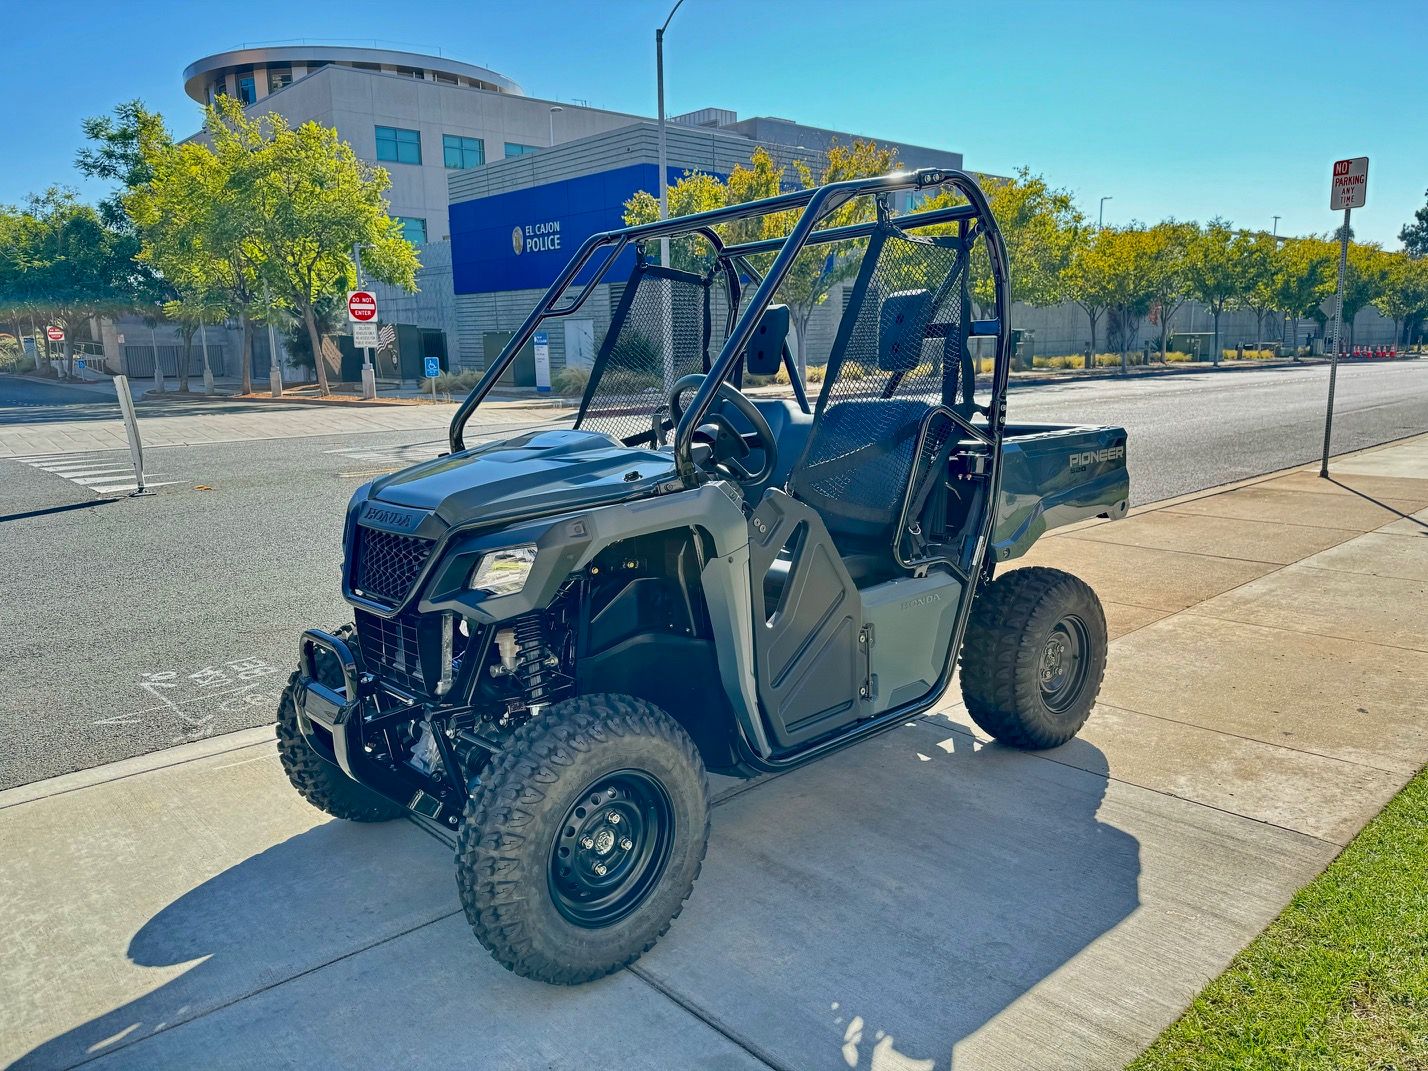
(503, 572)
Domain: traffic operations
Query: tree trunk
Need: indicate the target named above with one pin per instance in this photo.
(1215, 353)
(68, 353)
(181, 365)
(800, 325)
(317, 356)
(1091, 358)
(247, 354)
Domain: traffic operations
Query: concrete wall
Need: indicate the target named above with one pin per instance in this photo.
(356, 102)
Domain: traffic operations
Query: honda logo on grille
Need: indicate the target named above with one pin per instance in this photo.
(391, 518)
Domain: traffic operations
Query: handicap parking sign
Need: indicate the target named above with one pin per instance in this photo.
(79, 363)
(433, 367)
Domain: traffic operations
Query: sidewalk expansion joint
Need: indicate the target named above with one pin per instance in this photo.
(1395, 771)
(728, 1033)
(1196, 611)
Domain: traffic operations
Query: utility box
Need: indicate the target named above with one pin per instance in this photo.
(1196, 343)
(1023, 348)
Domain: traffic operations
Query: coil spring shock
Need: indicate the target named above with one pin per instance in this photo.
(533, 668)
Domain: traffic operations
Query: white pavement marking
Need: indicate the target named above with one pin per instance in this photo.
(396, 456)
(97, 471)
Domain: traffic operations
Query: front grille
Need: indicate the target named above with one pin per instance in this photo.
(391, 650)
(388, 564)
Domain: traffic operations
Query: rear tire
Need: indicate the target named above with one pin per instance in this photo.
(1033, 657)
(320, 782)
(555, 887)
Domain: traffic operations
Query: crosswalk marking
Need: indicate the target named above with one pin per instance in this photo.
(102, 472)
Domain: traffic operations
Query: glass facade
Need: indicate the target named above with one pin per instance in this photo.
(413, 229)
(462, 152)
(247, 89)
(512, 149)
(279, 77)
(398, 146)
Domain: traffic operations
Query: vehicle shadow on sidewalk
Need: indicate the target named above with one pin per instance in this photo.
(875, 909)
(307, 901)
(868, 911)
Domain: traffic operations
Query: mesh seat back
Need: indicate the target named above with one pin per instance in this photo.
(894, 359)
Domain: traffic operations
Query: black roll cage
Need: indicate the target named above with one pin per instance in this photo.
(817, 203)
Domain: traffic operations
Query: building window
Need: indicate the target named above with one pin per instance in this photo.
(512, 149)
(413, 229)
(444, 79)
(279, 77)
(410, 72)
(398, 146)
(247, 90)
(463, 152)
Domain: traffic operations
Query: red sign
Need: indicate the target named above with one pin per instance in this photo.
(361, 306)
(54, 334)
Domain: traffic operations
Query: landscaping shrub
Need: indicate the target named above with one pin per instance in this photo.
(570, 382)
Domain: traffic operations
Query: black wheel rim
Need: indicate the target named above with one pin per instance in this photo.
(1063, 664)
(611, 849)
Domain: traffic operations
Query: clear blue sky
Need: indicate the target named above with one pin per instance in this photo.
(1186, 109)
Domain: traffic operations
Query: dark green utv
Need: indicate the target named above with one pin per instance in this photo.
(558, 634)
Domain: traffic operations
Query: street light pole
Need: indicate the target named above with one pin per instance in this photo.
(1275, 232)
(664, 197)
(663, 153)
(1101, 215)
(553, 109)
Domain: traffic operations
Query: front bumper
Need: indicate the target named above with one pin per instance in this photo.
(338, 714)
(342, 718)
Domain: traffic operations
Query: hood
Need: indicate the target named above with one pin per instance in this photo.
(537, 472)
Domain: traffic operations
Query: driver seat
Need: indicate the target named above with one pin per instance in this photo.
(862, 452)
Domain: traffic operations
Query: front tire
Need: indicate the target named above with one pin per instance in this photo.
(317, 780)
(1034, 657)
(583, 842)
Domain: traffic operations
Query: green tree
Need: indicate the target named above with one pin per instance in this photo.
(1089, 278)
(1260, 250)
(1414, 236)
(1404, 299)
(1167, 244)
(64, 264)
(816, 270)
(1218, 270)
(1301, 268)
(1365, 281)
(300, 201)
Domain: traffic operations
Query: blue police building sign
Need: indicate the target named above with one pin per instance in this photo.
(520, 240)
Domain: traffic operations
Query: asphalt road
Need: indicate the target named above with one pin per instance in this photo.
(135, 624)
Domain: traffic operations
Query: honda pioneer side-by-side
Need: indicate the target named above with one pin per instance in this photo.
(557, 635)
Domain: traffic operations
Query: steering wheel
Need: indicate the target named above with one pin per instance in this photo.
(730, 446)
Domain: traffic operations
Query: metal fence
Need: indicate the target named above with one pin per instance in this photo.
(139, 360)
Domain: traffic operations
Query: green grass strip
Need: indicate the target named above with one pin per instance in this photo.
(1339, 980)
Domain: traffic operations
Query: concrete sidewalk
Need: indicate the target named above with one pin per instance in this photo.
(923, 900)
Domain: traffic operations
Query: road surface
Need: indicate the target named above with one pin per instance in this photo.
(133, 624)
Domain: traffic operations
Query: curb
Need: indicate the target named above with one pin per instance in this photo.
(151, 761)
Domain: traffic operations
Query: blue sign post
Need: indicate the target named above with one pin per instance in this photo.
(431, 368)
(542, 361)
(79, 363)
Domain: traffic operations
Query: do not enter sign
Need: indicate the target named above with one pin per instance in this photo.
(54, 334)
(361, 306)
